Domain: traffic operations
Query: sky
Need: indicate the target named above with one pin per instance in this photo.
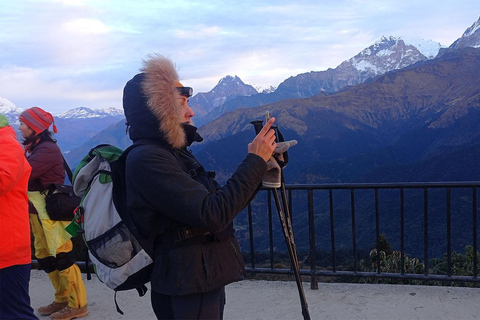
(65, 54)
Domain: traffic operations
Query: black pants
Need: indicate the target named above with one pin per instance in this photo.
(14, 297)
(208, 305)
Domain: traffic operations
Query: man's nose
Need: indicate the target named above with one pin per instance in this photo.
(190, 111)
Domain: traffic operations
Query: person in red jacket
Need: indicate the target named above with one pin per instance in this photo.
(15, 252)
(53, 247)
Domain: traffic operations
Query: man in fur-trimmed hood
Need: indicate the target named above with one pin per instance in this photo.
(156, 92)
(171, 196)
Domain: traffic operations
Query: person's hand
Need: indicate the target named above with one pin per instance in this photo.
(264, 143)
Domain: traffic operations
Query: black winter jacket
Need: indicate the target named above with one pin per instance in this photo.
(164, 196)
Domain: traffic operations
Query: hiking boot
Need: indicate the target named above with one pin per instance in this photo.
(68, 313)
(52, 308)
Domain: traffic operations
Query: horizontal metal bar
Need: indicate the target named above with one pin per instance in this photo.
(405, 185)
(405, 276)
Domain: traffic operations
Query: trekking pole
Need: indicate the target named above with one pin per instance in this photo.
(285, 219)
(292, 252)
(288, 216)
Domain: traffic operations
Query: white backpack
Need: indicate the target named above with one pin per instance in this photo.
(117, 250)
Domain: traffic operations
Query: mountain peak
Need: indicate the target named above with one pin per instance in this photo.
(391, 53)
(7, 106)
(263, 88)
(228, 87)
(470, 38)
(383, 44)
(229, 80)
(229, 77)
(233, 83)
(428, 48)
(388, 39)
(10, 110)
(386, 46)
(472, 30)
(87, 113)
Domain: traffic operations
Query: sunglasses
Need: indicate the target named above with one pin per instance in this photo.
(185, 91)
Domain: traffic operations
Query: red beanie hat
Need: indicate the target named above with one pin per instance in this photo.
(38, 119)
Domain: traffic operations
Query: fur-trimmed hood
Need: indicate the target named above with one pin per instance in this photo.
(151, 104)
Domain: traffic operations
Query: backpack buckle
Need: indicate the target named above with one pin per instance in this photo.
(184, 233)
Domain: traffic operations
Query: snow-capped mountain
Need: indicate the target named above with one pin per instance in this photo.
(229, 83)
(387, 54)
(10, 110)
(383, 56)
(77, 125)
(428, 48)
(74, 126)
(87, 113)
(470, 38)
(227, 88)
(263, 89)
(7, 105)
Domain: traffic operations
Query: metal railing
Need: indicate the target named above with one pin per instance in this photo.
(420, 196)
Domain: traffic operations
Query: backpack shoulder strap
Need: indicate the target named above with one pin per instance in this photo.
(68, 170)
(190, 163)
(119, 197)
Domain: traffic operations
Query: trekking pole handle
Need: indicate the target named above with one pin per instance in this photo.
(258, 125)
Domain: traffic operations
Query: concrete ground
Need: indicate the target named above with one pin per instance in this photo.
(265, 300)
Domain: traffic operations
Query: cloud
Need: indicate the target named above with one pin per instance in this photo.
(56, 94)
(71, 2)
(69, 53)
(198, 32)
(86, 26)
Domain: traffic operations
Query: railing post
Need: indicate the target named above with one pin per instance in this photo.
(250, 230)
(270, 228)
(332, 230)
(449, 234)
(377, 231)
(354, 234)
(311, 229)
(402, 231)
(425, 231)
(474, 213)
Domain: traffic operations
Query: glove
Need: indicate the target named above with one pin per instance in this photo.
(284, 146)
(280, 150)
(273, 178)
